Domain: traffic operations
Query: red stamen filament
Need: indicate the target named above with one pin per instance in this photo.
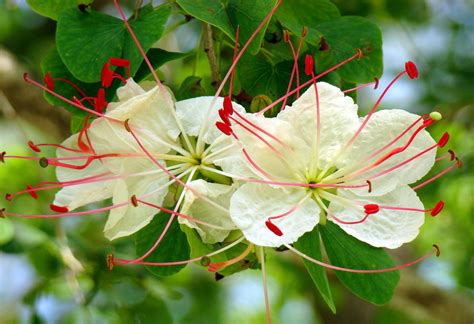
(330, 266)
(452, 166)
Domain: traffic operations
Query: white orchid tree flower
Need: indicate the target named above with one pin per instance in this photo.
(317, 161)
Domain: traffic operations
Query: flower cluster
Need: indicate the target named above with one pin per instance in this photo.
(225, 171)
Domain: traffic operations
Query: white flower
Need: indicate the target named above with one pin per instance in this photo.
(357, 180)
(120, 168)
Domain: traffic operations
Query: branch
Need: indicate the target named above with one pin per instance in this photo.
(211, 55)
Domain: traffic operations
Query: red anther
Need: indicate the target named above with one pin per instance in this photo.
(224, 117)
(304, 32)
(34, 147)
(272, 227)
(459, 162)
(134, 201)
(119, 62)
(43, 162)
(49, 81)
(110, 261)
(437, 209)
(286, 36)
(105, 72)
(8, 197)
(308, 64)
(359, 53)
(371, 209)
(31, 191)
(58, 209)
(2, 213)
(224, 128)
(443, 140)
(376, 85)
(438, 251)
(370, 185)
(452, 155)
(428, 121)
(2, 157)
(411, 70)
(100, 102)
(127, 126)
(229, 110)
(26, 77)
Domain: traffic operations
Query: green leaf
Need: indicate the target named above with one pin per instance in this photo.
(296, 14)
(260, 77)
(173, 247)
(190, 88)
(227, 15)
(310, 244)
(52, 8)
(346, 251)
(344, 36)
(87, 40)
(157, 57)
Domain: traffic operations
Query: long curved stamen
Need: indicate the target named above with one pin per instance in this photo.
(274, 228)
(204, 125)
(330, 266)
(375, 83)
(295, 69)
(309, 70)
(408, 70)
(73, 103)
(170, 221)
(309, 82)
(119, 261)
(458, 164)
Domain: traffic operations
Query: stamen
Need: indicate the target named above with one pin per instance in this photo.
(376, 85)
(411, 70)
(43, 162)
(31, 191)
(58, 209)
(127, 126)
(134, 200)
(2, 157)
(224, 117)
(437, 209)
(49, 81)
(224, 128)
(438, 251)
(458, 164)
(443, 140)
(2, 213)
(236, 48)
(214, 267)
(228, 109)
(34, 147)
(8, 197)
(110, 261)
(370, 185)
(308, 64)
(272, 227)
(330, 266)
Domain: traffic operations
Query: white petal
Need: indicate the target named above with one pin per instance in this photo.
(204, 211)
(383, 127)
(338, 120)
(193, 112)
(126, 220)
(76, 196)
(278, 154)
(252, 204)
(387, 228)
(154, 124)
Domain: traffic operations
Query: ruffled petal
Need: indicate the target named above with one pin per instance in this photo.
(387, 228)
(204, 211)
(79, 195)
(252, 205)
(126, 220)
(193, 112)
(382, 128)
(338, 122)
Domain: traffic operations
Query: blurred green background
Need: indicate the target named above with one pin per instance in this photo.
(53, 271)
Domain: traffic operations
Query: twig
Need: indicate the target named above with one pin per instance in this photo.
(211, 54)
